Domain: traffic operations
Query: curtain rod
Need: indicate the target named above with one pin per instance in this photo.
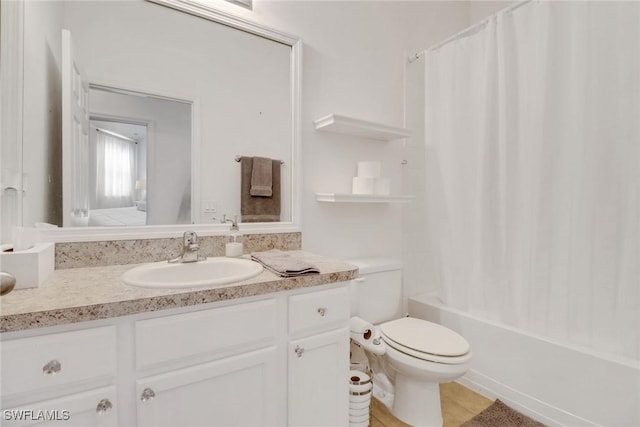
(117, 135)
(469, 31)
(238, 158)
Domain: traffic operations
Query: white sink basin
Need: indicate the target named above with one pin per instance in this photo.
(211, 272)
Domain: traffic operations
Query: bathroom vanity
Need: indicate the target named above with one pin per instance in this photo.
(89, 350)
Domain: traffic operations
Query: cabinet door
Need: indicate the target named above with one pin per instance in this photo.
(94, 408)
(319, 380)
(236, 391)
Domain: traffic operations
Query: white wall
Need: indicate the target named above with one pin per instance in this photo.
(354, 64)
(480, 9)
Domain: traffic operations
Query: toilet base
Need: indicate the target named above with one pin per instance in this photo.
(417, 402)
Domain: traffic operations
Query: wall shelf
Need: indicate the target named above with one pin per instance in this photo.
(361, 198)
(362, 128)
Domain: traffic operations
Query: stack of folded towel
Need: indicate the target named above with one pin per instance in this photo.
(283, 264)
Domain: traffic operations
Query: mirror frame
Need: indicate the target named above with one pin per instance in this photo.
(11, 122)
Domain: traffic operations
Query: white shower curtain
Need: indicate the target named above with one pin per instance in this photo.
(533, 121)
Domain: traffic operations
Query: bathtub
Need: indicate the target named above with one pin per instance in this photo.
(556, 383)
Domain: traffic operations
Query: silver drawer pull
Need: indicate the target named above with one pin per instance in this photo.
(299, 350)
(322, 311)
(147, 395)
(52, 368)
(104, 406)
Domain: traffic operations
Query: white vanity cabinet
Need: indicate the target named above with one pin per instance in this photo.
(232, 392)
(319, 358)
(61, 378)
(279, 359)
(232, 388)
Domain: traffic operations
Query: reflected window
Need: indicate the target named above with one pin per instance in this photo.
(115, 169)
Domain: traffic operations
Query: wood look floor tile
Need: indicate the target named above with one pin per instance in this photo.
(381, 413)
(459, 395)
(459, 404)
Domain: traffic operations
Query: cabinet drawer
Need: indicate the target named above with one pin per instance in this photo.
(92, 408)
(41, 362)
(172, 338)
(318, 311)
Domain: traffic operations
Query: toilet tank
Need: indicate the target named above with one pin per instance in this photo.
(376, 295)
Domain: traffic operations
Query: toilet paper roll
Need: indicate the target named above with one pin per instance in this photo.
(369, 169)
(362, 424)
(362, 185)
(361, 331)
(359, 389)
(356, 413)
(359, 399)
(359, 405)
(366, 335)
(359, 326)
(358, 377)
(381, 186)
(359, 419)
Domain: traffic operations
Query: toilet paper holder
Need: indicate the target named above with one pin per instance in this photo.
(365, 335)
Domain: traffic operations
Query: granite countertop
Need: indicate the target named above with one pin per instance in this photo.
(81, 294)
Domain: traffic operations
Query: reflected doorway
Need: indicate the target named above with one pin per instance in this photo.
(137, 161)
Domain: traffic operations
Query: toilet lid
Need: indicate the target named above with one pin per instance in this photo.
(425, 337)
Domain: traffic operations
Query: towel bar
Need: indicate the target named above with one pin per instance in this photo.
(238, 158)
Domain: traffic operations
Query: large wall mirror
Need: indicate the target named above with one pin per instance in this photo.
(135, 116)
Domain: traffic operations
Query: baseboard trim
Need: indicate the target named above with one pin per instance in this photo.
(528, 405)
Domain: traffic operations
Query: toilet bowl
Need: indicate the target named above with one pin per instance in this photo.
(420, 354)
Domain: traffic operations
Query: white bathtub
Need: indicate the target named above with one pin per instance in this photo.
(556, 383)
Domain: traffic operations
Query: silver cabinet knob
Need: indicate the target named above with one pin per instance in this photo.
(299, 350)
(52, 368)
(104, 406)
(322, 311)
(147, 395)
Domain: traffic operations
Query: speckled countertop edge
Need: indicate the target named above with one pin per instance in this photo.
(92, 293)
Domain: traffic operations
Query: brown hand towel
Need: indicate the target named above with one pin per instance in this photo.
(283, 264)
(261, 177)
(259, 209)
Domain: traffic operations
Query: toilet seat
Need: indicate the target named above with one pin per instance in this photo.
(426, 340)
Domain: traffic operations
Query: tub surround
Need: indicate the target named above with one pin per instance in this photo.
(89, 293)
(121, 252)
(538, 376)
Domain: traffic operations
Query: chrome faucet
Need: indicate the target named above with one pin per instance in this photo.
(190, 249)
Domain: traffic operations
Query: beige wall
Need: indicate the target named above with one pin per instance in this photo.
(480, 9)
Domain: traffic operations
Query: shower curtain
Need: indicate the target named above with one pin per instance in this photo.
(533, 130)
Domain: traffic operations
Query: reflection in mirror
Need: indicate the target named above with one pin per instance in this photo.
(238, 87)
(139, 159)
(117, 171)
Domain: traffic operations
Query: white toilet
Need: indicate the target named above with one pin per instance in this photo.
(421, 354)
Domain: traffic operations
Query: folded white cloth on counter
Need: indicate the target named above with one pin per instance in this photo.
(283, 264)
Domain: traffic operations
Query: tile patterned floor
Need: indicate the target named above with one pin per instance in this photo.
(459, 404)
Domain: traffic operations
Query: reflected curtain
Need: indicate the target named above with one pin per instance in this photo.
(532, 122)
(115, 171)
